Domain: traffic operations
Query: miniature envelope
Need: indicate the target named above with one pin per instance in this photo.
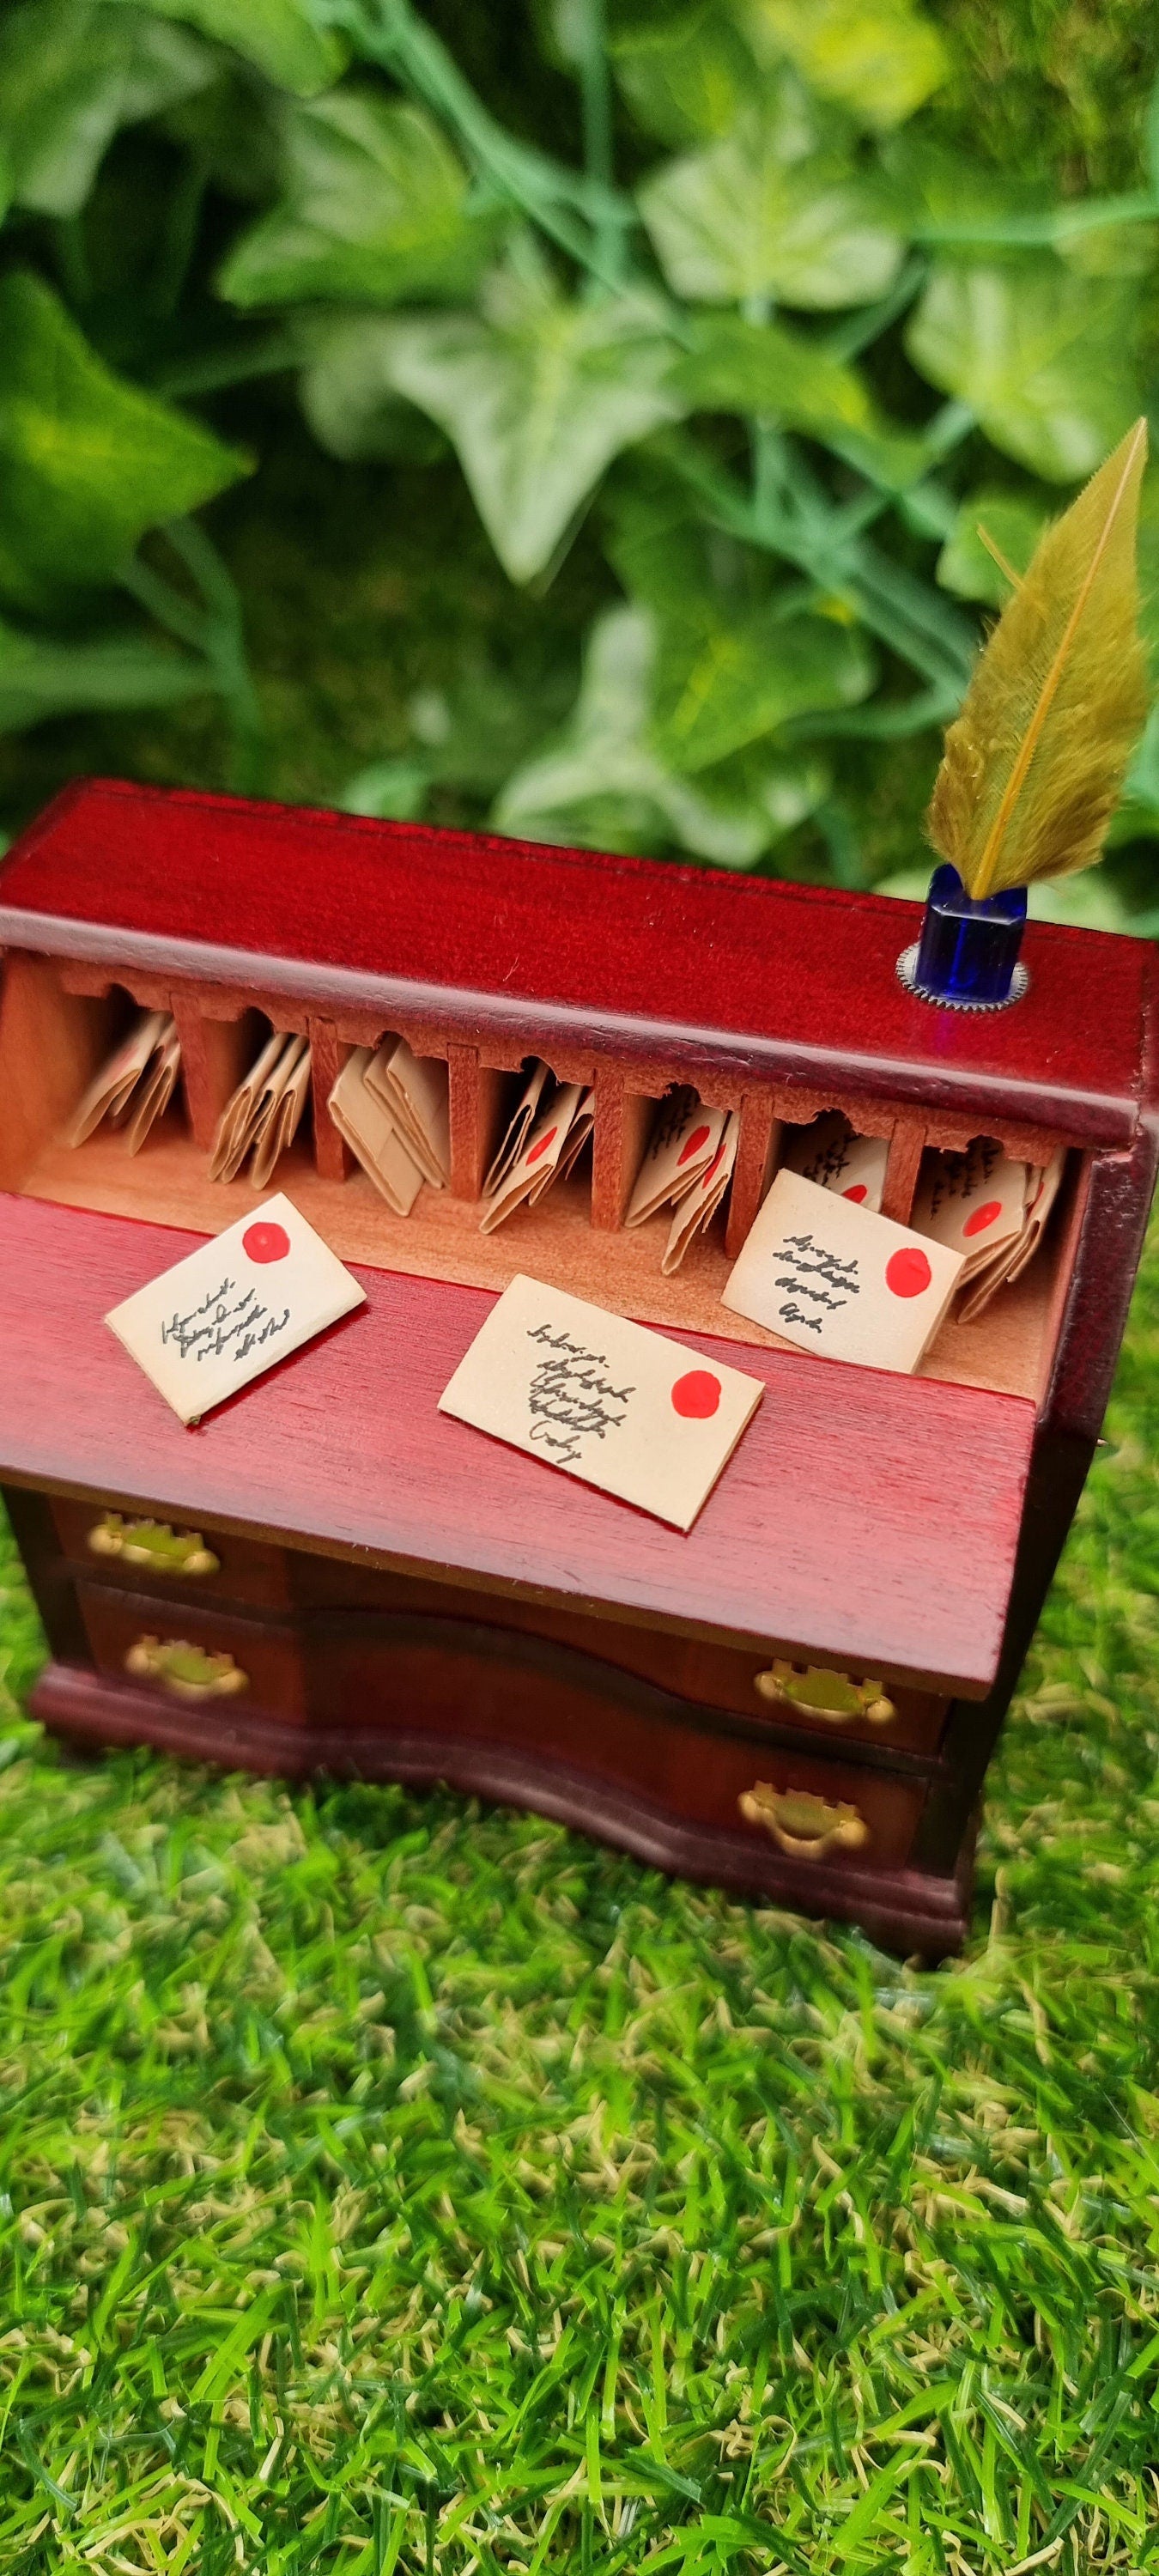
(372, 1136)
(833, 1278)
(830, 1154)
(109, 1093)
(281, 1116)
(684, 1139)
(238, 1123)
(1041, 1191)
(529, 1176)
(156, 1087)
(416, 1091)
(234, 1308)
(642, 1417)
(517, 1130)
(971, 1202)
(696, 1210)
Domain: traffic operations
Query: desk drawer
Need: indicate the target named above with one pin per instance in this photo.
(195, 1657)
(482, 1687)
(137, 1553)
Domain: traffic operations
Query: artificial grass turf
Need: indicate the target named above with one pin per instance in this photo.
(389, 2184)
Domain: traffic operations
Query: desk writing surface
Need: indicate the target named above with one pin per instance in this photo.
(865, 1519)
(804, 974)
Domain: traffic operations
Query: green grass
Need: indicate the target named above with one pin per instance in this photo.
(390, 2184)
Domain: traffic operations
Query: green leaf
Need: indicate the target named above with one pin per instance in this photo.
(965, 566)
(87, 463)
(44, 676)
(877, 58)
(279, 37)
(687, 79)
(754, 216)
(72, 72)
(778, 374)
(345, 393)
(375, 209)
(536, 397)
(724, 681)
(1041, 356)
(604, 784)
(940, 190)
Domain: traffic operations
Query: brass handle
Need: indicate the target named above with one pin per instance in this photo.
(188, 1672)
(814, 1691)
(153, 1543)
(805, 1826)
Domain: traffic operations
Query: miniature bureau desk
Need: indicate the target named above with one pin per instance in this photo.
(384, 1590)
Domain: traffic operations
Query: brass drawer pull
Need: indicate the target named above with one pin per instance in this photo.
(153, 1543)
(805, 1826)
(814, 1691)
(188, 1672)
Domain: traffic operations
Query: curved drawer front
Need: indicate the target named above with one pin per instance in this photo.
(477, 1687)
(184, 1560)
(193, 1654)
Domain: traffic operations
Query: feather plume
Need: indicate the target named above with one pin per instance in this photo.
(1035, 761)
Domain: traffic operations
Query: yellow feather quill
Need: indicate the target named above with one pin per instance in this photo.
(1034, 763)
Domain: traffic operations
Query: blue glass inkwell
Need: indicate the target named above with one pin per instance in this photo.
(967, 956)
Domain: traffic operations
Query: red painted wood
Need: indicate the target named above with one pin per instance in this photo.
(249, 1570)
(865, 1520)
(490, 934)
(903, 1908)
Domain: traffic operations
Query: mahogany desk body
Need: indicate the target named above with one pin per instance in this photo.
(385, 1591)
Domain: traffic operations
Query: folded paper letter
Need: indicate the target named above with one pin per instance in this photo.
(831, 1277)
(644, 1418)
(829, 1153)
(234, 1308)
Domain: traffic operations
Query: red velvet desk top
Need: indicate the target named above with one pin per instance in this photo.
(637, 955)
(870, 1520)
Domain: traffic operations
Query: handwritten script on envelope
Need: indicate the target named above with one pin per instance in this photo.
(832, 1277)
(234, 1308)
(644, 1418)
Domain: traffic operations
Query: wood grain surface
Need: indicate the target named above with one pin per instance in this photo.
(865, 1519)
(625, 955)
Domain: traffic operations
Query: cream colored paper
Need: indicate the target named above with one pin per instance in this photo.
(155, 1089)
(1041, 1191)
(517, 1130)
(416, 1092)
(239, 1119)
(644, 1418)
(697, 1208)
(111, 1090)
(536, 1166)
(833, 1278)
(683, 1142)
(372, 1136)
(234, 1308)
(829, 1153)
(974, 1203)
(280, 1121)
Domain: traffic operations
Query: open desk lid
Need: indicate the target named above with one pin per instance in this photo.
(866, 1520)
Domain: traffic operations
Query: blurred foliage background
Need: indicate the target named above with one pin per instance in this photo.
(575, 416)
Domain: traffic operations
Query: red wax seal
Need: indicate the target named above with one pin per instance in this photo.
(696, 1395)
(857, 1192)
(699, 1137)
(542, 1146)
(908, 1272)
(714, 1166)
(266, 1242)
(982, 1217)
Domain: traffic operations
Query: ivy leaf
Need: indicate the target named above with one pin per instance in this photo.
(939, 190)
(685, 79)
(87, 462)
(1041, 356)
(346, 395)
(749, 216)
(45, 676)
(536, 397)
(375, 210)
(605, 785)
(724, 681)
(877, 58)
(72, 72)
(779, 374)
(278, 37)
(965, 566)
